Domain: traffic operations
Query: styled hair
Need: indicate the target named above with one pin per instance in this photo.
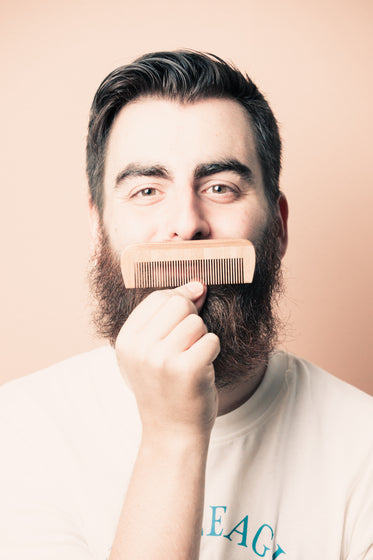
(186, 76)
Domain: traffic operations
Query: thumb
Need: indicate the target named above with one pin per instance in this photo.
(195, 291)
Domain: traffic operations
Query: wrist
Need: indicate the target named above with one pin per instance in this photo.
(175, 442)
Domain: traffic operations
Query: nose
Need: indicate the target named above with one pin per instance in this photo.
(188, 220)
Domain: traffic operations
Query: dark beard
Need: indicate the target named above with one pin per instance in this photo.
(242, 315)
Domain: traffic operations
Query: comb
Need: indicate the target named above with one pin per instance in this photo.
(174, 263)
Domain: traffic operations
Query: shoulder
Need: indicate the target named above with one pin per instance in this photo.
(88, 385)
(75, 365)
(326, 408)
(314, 382)
(77, 370)
(329, 437)
(74, 409)
(65, 434)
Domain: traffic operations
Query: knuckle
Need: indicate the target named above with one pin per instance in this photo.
(184, 305)
(157, 295)
(213, 338)
(197, 323)
(214, 342)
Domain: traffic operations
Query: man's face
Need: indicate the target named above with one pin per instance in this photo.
(182, 171)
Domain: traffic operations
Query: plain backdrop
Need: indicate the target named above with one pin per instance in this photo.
(313, 62)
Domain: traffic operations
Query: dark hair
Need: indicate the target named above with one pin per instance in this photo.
(186, 76)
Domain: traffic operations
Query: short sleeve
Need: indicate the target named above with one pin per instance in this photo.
(358, 530)
(39, 519)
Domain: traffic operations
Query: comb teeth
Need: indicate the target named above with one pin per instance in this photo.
(169, 274)
(171, 264)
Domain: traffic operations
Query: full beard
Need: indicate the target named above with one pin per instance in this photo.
(242, 315)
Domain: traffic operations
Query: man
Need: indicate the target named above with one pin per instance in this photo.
(190, 437)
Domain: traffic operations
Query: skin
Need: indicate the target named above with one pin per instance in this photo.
(156, 189)
(179, 137)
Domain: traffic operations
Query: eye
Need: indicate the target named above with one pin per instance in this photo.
(146, 192)
(220, 189)
(220, 192)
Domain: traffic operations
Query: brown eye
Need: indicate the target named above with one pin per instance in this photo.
(222, 193)
(219, 189)
(148, 192)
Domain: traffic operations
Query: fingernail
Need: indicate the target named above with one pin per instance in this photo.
(195, 287)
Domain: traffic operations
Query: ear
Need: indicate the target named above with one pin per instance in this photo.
(283, 213)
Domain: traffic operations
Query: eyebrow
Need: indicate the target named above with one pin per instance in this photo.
(202, 170)
(205, 169)
(138, 170)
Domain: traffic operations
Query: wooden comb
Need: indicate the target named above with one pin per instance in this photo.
(174, 263)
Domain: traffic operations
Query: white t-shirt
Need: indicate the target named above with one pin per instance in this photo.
(289, 473)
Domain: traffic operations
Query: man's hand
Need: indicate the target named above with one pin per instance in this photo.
(166, 354)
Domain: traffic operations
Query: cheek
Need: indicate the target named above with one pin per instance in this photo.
(127, 229)
(253, 228)
(242, 225)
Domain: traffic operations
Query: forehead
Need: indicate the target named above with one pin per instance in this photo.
(180, 135)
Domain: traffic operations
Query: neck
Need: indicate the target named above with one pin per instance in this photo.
(231, 398)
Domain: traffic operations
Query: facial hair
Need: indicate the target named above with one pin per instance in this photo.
(242, 316)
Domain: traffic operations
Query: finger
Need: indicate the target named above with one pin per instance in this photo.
(196, 291)
(202, 353)
(183, 301)
(175, 309)
(185, 334)
(149, 307)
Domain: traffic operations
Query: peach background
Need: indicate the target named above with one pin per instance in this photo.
(312, 61)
